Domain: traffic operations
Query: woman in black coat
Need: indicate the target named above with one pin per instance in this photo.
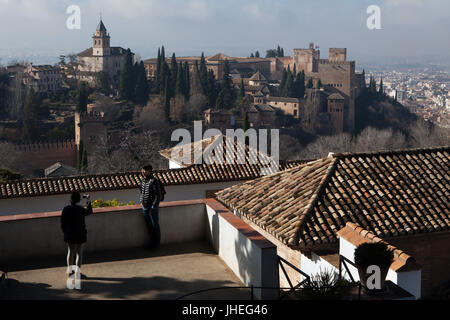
(74, 228)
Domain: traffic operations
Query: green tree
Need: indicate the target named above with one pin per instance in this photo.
(281, 88)
(173, 74)
(126, 85)
(8, 175)
(257, 54)
(381, 87)
(30, 114)
(167, 99)
(81, 158)
(271, 53)
(180, 82)
(245, 122)
(103, 82)
(187, 81)
(82, 98)
(309, 84)
(242, 89)
(226, 91)
(141, 91)
(158, 71)
(288, 90)
(299, 86)
(211, 88)
(252, 55)
(203, 74)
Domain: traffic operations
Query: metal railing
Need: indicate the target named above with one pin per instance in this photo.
(280, 262)
(343, 262)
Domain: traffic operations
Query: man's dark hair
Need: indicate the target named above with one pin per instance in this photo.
(148, 167)
(75, 197)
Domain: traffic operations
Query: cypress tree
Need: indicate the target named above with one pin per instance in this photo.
(282, 52)
(162, 71)
(220, 101)
(81, 158)
(167, 99)
(142, 90)
(126, 87)
(289, 85)
(179, 87)
(82, 98)
(294, 73)
(203, 74)
(281, 88)
(278, 51)
(245, 123)
(242, 89)
(319, 84)
(299, 86)
(252, 55)
(257, 54)
(187, 81)
(226, 86)
(158, 71)
(211, 91)
(30, 113)
(381, 87)
(173, 74)
(309, 85)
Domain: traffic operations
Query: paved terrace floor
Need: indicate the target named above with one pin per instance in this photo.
(167, 273)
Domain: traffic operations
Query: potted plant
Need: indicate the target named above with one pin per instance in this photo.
(373, 253)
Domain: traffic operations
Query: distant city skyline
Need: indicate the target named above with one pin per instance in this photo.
(411, 30)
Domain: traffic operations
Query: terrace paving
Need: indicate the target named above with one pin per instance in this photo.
(167, 273)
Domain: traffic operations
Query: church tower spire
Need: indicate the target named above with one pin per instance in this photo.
(100, 41)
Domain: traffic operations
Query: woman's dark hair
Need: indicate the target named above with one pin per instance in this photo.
(75, 197)
(148, 167)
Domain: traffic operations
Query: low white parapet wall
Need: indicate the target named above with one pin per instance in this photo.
(247, 253)
(39, 235)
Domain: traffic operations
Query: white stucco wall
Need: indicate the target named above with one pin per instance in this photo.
(58, 202)
(314, 265)
(252, 264)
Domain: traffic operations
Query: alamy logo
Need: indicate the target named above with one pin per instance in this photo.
(374, 280)
(74, 20)
(374, 19)
(235, 147)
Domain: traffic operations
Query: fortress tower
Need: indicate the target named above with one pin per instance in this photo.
(91, 129)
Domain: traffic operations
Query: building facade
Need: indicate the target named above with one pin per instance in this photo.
(101, 57)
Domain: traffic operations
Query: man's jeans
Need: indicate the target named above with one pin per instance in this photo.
(151, 216)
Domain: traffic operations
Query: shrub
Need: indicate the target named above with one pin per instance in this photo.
(100, 203)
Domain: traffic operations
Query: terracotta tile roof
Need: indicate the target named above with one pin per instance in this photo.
(357, 235)
(387, 193)
(195, 174)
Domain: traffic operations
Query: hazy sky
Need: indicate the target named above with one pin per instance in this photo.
(411, 28)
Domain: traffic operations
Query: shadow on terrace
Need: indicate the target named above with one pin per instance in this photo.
(201, 248)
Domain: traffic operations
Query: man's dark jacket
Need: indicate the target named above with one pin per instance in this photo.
(73, 224)
(150, 192)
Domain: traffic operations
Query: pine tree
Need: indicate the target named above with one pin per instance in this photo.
(30, 113)
(82, 98)
(126, 86)
(142, 91)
